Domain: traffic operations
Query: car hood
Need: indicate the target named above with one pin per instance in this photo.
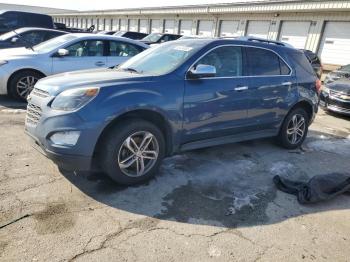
(342, 85)
(9, 53)
(94, 77)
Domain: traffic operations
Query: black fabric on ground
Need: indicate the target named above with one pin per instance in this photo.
(317, 189)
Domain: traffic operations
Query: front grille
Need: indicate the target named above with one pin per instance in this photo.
(40, 92)
(339, 95)
(33, 114)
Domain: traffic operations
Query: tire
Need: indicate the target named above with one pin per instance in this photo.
(115, 150)
(290, 137)
(22, 83)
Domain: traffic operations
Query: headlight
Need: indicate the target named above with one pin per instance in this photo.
(3, 62)
(74, 99)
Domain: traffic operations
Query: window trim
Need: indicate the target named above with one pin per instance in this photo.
(244, 63)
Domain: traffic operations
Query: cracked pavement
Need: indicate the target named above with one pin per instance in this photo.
(215, 204)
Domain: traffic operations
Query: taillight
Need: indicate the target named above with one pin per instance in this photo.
(318, 85)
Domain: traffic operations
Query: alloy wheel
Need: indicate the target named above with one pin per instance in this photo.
(25, 85)
(138, 154)
(296, 129)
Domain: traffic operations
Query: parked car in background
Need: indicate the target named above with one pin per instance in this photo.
(27, 37)
(130, 34)
(11, 20)
(157, 38)
(342, 72)
(63, 27)
(335, 96)
(178, 96)
(107, 32)
(21, 68)
(315, 62)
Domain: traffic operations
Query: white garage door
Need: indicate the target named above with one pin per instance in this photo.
(258, 29)
(229, 28)
(294, 33)
(143, 25)
(115, 24)
(186, 27)
(205, 28)
(335, 43)
(169, 26)
(133, 25)
(123, 25)
(101, 24)
(95, 23)
(155, 26)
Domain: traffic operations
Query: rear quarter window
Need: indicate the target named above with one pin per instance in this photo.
(302, 64)
(262, 62)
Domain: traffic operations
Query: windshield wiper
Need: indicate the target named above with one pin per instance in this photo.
(130, 69)
(30, 45)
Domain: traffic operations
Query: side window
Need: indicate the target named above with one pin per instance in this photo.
(50, 35)
(227, 60)
(123, 49)
(263, 62)
(34, 37)
(86, 48)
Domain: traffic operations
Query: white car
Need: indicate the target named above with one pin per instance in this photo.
(21, 68)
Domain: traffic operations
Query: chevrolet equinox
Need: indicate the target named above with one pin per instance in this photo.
(178, 96)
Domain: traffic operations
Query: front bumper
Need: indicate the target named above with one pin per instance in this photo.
(4, 76)
(334, 104)
(64, 161)
(41, 122)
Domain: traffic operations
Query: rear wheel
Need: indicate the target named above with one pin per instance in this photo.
(22, 83)
(294, 129)
(132, 151)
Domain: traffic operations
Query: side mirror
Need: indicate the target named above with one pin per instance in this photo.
(62, 52)
(14, 40)
(202, 71)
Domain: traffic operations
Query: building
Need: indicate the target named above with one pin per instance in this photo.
(320, 26)
(33, 9)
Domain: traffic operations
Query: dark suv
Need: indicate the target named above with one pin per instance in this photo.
(178, 96)
(11, 20)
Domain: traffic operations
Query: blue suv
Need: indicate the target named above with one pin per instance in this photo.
(178, 96)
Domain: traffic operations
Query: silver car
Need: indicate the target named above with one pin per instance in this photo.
(21, 68)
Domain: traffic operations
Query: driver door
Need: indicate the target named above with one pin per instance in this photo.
(216, 106)
(86, 54)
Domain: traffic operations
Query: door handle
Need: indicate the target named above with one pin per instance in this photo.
(287, 83)
(99, 63)
(241, 88)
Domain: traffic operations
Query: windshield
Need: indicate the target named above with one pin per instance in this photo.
(53, 43)
(152, 37)
(120, 33)
(164, 58)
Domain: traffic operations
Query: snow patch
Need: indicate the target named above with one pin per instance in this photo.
(332, 145)
(281, 168)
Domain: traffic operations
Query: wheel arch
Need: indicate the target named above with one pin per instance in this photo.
(153, 117)
(22, 70)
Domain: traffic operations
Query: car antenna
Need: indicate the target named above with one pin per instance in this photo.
(29, 44)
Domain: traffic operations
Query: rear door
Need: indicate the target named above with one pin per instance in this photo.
(85, 54)
(216, 106)
(119, 52)
(270, 85)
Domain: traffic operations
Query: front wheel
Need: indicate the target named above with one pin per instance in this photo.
(294, 129)
(132, 151)
(22, 83)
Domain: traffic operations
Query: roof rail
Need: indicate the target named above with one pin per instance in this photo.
(261, 40)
